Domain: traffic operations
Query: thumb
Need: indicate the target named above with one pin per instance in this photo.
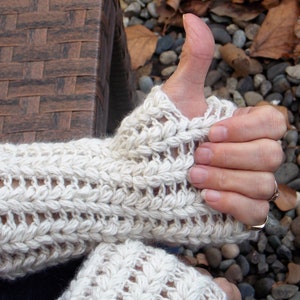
(186, 86)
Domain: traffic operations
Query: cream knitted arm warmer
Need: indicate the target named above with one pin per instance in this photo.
(58, 201)
(134, 271)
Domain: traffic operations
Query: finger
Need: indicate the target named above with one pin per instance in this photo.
(230, 289)
(258, 155)
(246, 210)
(249, 124)
(186, 86)
(257, 185)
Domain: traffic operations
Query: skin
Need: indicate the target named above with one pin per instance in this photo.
(235, 169)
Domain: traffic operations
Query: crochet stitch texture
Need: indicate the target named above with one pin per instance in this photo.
(60, 200)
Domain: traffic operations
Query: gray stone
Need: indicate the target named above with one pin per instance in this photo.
(293, 71)
(274, 97)
(258, 79)
(220, 34)
(168, 57)
(251, 31)
(262, 242)
(284, 291)
(276, 69)
(152, 9)
(145, 84)
(133, 9)
(231, 84)
(239, 38)
(284, 252)
(245, 84)
(164, 43)
(232, 28)
(230, 251)
(212, 77)
(246, 290)
(291, 137)
(168, 71)
(225, 264)
(234, 274)
(286, 173)
(252, 98)
(265, 87)
(295, 184)
(213, 256)
(281, 84)
(263, 287)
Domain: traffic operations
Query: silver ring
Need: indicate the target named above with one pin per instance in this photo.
(258, 227)
(276, 193)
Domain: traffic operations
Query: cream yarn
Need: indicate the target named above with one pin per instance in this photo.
(135, 271)
(59, 201)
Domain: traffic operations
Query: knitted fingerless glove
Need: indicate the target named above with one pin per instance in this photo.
(135, 271)
(58, 201)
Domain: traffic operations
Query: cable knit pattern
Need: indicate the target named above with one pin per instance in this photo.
(135, 271)
(58, 201)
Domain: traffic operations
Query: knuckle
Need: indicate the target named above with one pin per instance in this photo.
(271, 155)
(278, 121)
(265, 185)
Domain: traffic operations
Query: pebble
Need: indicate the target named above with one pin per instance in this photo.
(145, 84)
(286, 173)
(168, 57)
(244, 264)
(230, 250)
(276, 69)
(234, 274)
(238, 99)
(239, 38)
(265, 87)
(252, 98)
(133, 9)
(152, 9)
(258, 79)
(245, 84)
(293, 273)
(168, 71)
(251, 31)
(284, 291)
(263, 287)
(220, 34)
(293, 71)
(164, 43)
(284, 252)
(246, 290)
(280, 84)
(212, 77)
(232, 28)
(213, 256)
(274, 97)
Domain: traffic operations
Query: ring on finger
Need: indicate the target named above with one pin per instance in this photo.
(276, 193)
(258, 227)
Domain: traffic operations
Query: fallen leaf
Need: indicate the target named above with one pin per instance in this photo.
(276, 38)
(245, 12)
(199, 8)
(141, 44)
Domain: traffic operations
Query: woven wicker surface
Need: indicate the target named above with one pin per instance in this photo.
(55, 69)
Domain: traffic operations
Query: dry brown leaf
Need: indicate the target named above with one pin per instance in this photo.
(199, 8)
(287, 198)
(141, 44)
(276, 38)
(245, 12)
(173, 5)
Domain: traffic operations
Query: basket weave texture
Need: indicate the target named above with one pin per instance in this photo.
(59, 62)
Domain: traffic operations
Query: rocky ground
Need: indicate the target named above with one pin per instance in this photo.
(270, 267)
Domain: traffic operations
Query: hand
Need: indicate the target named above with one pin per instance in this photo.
(235, 169)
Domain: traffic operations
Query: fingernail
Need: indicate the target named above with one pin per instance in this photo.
(197, 175)
(218, 133)
(203, 156)
(210, 195)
